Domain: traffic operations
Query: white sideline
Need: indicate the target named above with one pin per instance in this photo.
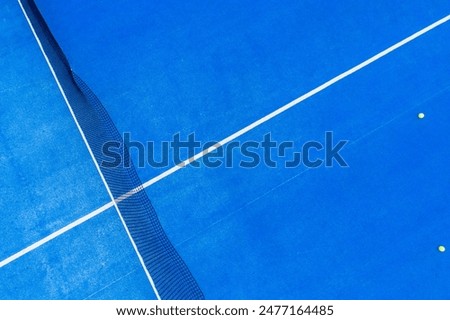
(90, 150)
(219, 144)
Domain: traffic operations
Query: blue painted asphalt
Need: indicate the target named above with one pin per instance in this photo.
(367, 231)
(93, 261)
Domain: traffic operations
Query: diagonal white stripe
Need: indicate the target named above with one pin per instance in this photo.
(239, 133)
(55, 234)
(297, 101)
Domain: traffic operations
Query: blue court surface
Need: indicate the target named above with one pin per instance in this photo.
(375, 229)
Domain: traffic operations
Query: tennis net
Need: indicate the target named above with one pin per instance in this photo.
(171, 277)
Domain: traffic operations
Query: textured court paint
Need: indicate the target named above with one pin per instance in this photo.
(47, 180)
(224, 141)
(88, 263)
(55, 234)
(368, 231)
(251, 59)
(213, 68)
(297, 101)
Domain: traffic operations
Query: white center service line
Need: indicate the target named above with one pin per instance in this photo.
(230, 138)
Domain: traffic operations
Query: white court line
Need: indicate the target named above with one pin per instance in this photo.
(90, 150)
(56, 234)
(271, 115)
(296, 101)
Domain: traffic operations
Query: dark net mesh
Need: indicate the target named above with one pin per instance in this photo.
(170, 274)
